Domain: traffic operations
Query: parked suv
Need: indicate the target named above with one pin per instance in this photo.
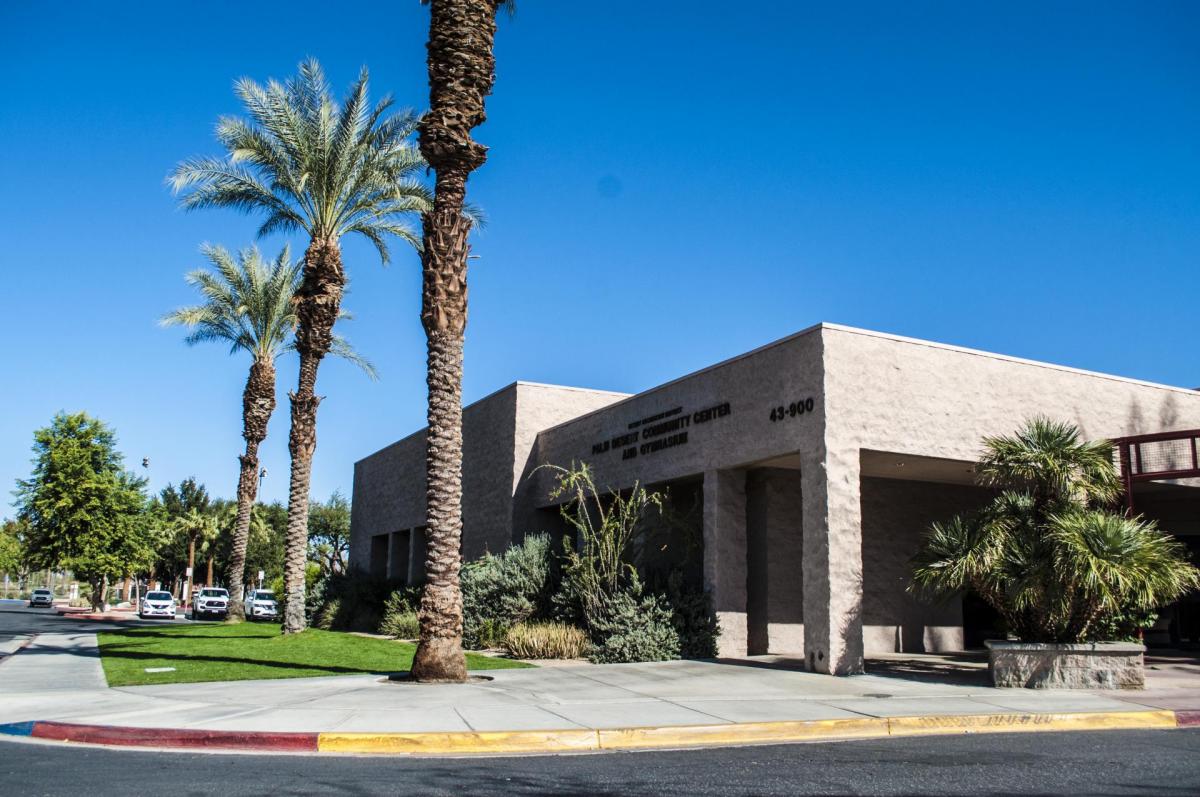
(210, 602)
(157, 604)
(260, 605)
(41, 597)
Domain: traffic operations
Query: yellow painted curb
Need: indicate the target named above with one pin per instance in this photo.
(459, 742)
(1011, 723)
(742, 733)
(582, 740)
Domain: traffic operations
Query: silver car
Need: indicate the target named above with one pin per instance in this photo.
(260, 605)
(41, 597)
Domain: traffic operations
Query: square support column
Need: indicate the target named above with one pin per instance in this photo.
(833, 639)
(725, 555)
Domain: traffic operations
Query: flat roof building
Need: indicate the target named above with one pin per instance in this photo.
(813, 464)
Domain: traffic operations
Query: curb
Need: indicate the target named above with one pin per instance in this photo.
(584, 740)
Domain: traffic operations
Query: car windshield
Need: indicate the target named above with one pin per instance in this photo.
(264, 595)
(41, 592)
(158, 596)
(213, 593)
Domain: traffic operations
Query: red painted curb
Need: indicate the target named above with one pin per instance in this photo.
(172, 737)
(1187, 719)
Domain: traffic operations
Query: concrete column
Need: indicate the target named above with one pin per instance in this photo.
(833, 639)
(725, 555)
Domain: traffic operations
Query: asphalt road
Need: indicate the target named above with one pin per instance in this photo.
(18, 619)
(1102, 763)
(1109, 762)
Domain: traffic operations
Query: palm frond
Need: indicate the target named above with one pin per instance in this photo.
(307, 162)
(247, 302)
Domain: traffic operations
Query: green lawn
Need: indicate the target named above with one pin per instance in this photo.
(237, 652)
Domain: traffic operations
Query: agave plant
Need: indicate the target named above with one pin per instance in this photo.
(1048, 554)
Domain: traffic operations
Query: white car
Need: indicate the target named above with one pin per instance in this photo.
(41, 597)
(157, 604)
(210, 602)
(260, 605)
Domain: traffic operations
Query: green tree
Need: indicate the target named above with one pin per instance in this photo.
(1048, 553)
(461, 69)
(248, 306)
(329, 534)
(12, 550)
(309, 164)
(82, 509)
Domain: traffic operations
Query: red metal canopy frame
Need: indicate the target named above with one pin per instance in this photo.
(1158, 456)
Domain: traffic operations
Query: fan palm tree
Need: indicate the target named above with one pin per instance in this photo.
(1047, 553)
(310, 164)
(461, 72)
(248, 306)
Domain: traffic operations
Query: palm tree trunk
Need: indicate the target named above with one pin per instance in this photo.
(461, 72)
(318, 303)
(258, 403)
(191, 568)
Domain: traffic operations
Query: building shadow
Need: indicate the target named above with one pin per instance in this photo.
(960, 669)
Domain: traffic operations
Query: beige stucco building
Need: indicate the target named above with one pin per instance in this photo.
(814, 464)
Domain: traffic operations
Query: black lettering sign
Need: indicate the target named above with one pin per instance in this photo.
(794, 409)
(660, 431)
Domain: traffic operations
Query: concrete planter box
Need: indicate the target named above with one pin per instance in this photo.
(1092, 665)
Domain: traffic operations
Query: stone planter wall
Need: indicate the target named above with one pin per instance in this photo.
(1093, 665)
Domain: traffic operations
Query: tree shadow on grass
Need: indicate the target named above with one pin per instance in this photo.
(138, 634)
(118, 654)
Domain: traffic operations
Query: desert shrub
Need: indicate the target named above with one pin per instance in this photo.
(400, 613)
(325, 613)
(630, 626)
(546, 640)
(600, 589)
(693, 617)
(351, 602)
(401, 625)
(500, 591)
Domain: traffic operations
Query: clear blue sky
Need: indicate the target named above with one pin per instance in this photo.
(670, 183)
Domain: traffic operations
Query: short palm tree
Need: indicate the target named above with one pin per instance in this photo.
(195, 526)
(248, 306)
(308, 163)
(1048, 553)
(461, 72)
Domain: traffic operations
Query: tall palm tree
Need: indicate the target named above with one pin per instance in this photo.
(248, 306)
(461, 72)
(308, 163)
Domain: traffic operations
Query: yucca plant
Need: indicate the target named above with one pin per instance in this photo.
(310, 164)
(247, 305)
(1048, 553)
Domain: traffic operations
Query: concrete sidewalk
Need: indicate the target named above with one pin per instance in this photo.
(58, 679)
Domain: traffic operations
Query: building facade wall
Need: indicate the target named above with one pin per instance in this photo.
(895, 514)
(499, 432)
(806, 549)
